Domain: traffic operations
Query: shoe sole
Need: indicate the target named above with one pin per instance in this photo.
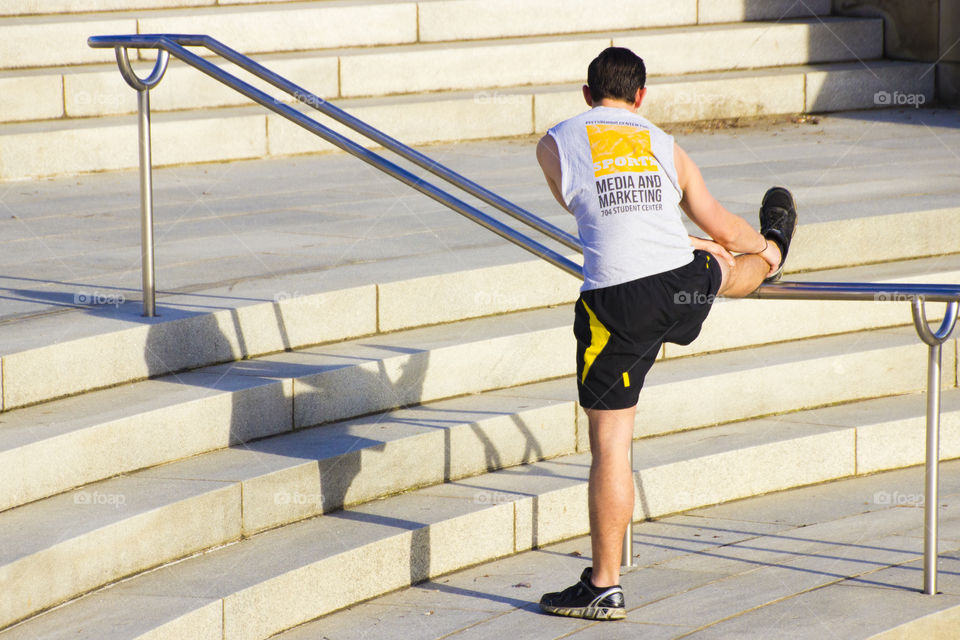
(588, 613)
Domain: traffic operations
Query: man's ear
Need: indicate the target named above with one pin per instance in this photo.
(586, 96)
(638, 99)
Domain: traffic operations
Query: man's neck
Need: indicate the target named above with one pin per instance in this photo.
(616, 104)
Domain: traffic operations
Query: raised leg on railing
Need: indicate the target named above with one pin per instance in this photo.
(931, 486)
(143, 86)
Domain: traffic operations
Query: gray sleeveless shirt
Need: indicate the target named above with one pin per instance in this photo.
(620, 182)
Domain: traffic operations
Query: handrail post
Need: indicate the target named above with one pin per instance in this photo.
(146, 205)
(932, 472)
(143, 86)
(931, 481)
(626, 551)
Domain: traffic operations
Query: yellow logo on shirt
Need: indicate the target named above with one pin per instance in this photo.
(619, 148)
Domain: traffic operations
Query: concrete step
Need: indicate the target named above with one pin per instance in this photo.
(150, 518)
(274, 580)
(456, 19)
(60, 445)
(86, 91)
(99, 90)
(176, 416)
(112, 353)
(268, 25)
(108, 143)
(840, 559)
(42, 41)
(669, 51)
(55, 7)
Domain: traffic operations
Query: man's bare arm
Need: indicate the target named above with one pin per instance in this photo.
(549, 158)
(729, 230)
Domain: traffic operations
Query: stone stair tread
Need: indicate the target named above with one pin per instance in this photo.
(231, 572)
(167, 104)
(707, 564)
(229, 20)
(399, 376)
(464, 115)
(276, 393)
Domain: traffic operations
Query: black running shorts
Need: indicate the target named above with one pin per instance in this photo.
(620, 329)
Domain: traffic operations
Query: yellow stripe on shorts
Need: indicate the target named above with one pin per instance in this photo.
(599, 336)
(626, 379)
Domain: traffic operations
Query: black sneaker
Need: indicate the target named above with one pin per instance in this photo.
(583, 600)
(778, 221)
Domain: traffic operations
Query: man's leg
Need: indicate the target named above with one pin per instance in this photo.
(744, 277)
(610, 490)
(778, 221)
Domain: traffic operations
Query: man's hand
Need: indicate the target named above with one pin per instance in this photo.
(712, 247)
(771, 253)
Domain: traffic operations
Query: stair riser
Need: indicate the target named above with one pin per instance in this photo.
(366, 474)
(290, 28)
(231, 509)
(275, 499)
(51, 466)
(157, 435)
(186, 343)
(101, 91)
(423, 553)
(426, 376)
(453, 19)
(131, 546)
(191, 137)
(781, 387)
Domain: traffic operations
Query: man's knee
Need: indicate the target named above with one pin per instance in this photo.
(610, 429)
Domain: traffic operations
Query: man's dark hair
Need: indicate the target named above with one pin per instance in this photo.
(616, 73)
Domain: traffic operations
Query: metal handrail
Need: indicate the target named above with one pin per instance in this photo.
(173, 44)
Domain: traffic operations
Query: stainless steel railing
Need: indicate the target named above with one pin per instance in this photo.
(174, 44)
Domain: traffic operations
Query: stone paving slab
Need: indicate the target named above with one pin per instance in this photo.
(815, 562)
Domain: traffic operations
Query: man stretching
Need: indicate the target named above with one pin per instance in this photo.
(646, 282)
